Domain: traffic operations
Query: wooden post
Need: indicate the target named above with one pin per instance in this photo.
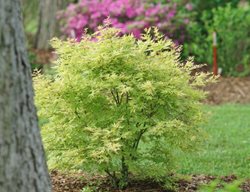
(215, 65)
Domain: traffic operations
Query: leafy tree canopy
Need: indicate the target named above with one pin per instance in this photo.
(119, 105)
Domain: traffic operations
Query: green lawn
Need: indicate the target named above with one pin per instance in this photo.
(227, 149)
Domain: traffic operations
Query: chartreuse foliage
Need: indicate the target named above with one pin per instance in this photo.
(119, 105)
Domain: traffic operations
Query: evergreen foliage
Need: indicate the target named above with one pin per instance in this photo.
(118, 105)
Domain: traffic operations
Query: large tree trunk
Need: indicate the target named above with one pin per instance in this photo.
(47, 23)
(48, 26)
(22, 163)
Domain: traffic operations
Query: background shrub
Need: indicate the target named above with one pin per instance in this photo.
(129, 16)
(232, 26)
(209, 5)
(117, 105)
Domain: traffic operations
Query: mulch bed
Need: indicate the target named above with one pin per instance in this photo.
(229, 90)
(76, 182)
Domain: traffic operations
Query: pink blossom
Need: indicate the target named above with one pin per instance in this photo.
(137, 33)
(186, 21)
(71, 7)
(121, 26)
(189, 6)
(171, 14)
(130, 12)
(130, 16)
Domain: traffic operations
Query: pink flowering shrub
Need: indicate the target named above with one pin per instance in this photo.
(130, 16)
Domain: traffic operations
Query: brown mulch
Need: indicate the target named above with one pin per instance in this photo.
(229, 90)
(42, 57)
(76, 182)
(66, 182)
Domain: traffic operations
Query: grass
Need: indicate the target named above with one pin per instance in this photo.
(227, 149)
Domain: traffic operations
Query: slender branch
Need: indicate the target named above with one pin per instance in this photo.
(117, 97)
(108, 172)
(137, 141)
(113, 178)
(124, 172)
(114, 97)
(77, 114)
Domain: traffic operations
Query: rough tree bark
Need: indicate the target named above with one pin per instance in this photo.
(47, 23)
(48, 26)
(22, 164)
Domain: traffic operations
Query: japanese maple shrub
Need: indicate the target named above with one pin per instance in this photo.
(118, 105)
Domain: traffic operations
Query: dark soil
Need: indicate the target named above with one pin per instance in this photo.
(229, 90)
(76, 182)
